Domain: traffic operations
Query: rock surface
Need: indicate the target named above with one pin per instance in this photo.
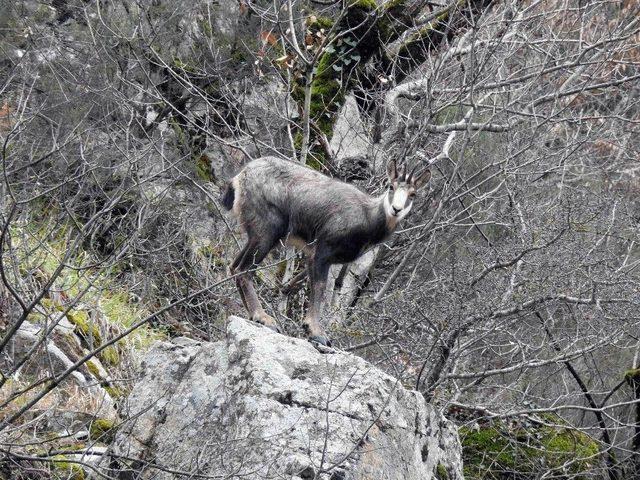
(350, 137)
(263, 405)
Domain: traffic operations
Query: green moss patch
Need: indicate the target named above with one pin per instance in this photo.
(62, 468)
(441, 472)
(632, 375)
(203, 168)
(87, 329)
(356, 41)
(93, 368)
(317, 23)
(501, 451)
(115, 392)
(103, 430)
(110, 356)
(90, 333)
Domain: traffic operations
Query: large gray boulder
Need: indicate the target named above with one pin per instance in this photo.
(262, 405)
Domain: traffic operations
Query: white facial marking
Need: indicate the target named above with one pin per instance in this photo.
(399, 199)
(395, 208)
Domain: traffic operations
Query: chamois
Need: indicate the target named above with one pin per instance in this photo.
(331, 221)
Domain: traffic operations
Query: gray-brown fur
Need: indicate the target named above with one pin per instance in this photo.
(332, 221)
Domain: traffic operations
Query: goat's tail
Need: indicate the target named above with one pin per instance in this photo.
(228, 196)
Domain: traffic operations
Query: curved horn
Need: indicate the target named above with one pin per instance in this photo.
(403, 172)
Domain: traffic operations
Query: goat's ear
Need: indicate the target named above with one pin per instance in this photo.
(392, 171)
(422, 179)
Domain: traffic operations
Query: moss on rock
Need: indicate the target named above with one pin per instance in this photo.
(203, 168)
(102, 429)
(363, 28)
(441, 472)
(88, 330)
(90, 333)
(49, 304)
(500, 451)
(114, 392)
(62, 468)
(110, 356)
(93, 369)
(632, 375)
(327, 93)
(315, 23)
(357, 39)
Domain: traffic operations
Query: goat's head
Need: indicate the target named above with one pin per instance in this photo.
(402, 189)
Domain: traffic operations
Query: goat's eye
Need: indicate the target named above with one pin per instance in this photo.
(412, 195)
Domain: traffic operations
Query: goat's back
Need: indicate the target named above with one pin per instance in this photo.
(306, 202)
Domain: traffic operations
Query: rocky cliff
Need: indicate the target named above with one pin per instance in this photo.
(263, 405)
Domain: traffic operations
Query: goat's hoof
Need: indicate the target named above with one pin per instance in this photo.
(267, 321)
(320, 340)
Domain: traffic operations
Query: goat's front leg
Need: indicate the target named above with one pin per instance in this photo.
(318, 272)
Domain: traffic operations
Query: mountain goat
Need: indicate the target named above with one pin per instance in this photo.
(331, 221)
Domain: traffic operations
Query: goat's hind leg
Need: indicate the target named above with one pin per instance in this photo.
(234, 270)
(250, 257)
